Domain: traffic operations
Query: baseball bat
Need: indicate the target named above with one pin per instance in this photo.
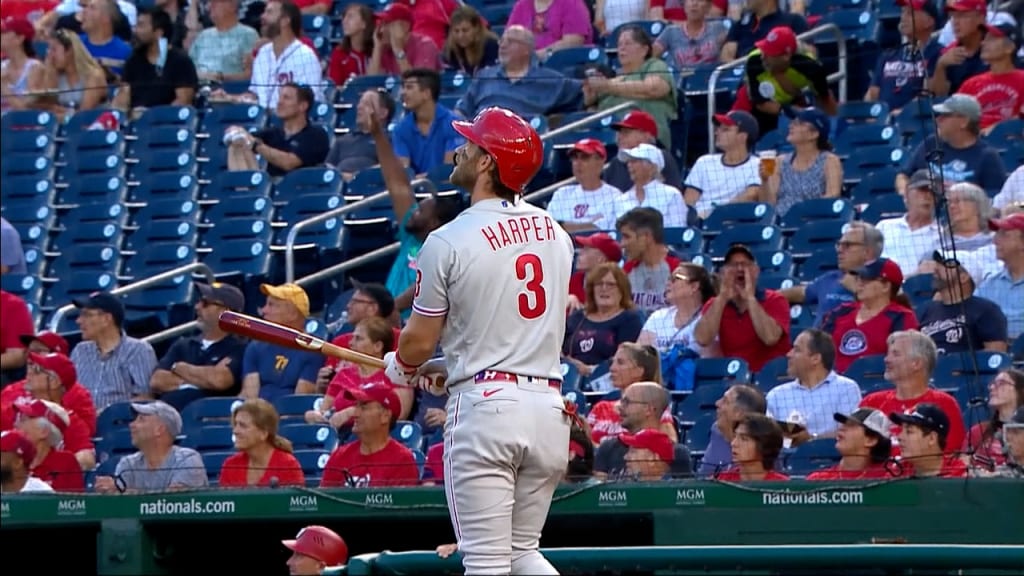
(265, 331)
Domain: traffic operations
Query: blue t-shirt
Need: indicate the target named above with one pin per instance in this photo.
(111, 55)
(958, 74)
(900, 74)
(280, 368)
(426, 152)
(827, 293)
(403, 271)
(978, 164)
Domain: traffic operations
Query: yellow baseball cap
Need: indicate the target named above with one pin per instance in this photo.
(290, 293)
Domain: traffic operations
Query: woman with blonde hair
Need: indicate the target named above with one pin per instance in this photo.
(632, 363)
(608, 319)
(72, 76)
(690, 287)
(470, 46)
(263, 457)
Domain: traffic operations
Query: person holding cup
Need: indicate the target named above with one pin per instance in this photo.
(810, 171)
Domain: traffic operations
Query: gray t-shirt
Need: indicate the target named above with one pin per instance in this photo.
(12, 254)
(183, 468)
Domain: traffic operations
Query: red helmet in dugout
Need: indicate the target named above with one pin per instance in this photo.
(510, 140)
(319, 543)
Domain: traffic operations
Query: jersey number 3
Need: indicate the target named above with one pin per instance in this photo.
(529, 270)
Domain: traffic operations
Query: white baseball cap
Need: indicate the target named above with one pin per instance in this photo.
(647, 152)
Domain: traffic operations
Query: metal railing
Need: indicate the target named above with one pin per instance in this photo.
(58, 316)
(840, 75)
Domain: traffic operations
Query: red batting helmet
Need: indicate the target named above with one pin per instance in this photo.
(514, 144)
(319, 543)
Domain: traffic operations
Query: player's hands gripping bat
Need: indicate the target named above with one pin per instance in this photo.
(430, 376)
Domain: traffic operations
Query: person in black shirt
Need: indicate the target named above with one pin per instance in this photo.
(958, 321)
(291, 144)
(156, 74)
(755, 24)
(960, 60)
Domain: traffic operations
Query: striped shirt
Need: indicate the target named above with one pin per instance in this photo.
(814, 407)
(118, 376)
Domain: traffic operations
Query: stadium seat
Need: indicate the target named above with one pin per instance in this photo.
(812, 456)
(754, 236)
(180, 231)
(313, 463)
(83, 119)
(95, 232)
(35, 141)
(699, 433)
(316, 327)
(774, 262)
(14, 121)
(25, 286)
(817, 264)
(303, 181)
(159, 117)
(295, 406)
(310, 436)
(918, 289)
(168, 303)
(163, 139)
(861, 112)
(115, 443)
(917, 117)
(237, 184)
(814, 237)
(24, 195)
(1007, 134)
(954, 371)
(243, 207)
(834, 210)
(114, 417)
(772, 374)
(871, 159)
(883, 207)
(455, 82)
(366, 182)
(720, 370)
(421, 461)
(175, 210)
(700, 401)
(38, 166)
(92, 257)
(156, 258)
(570, 61)
(326, 234)
(775, 281)
(162, 164)
(800, 318)
(78, 284)
(213, 462)
(99, 143)
(408, 433)
(209, 411)
(354, 88)
(728, 215)
(235, 229)
(104, 189)
(570, 378)
(684, 241)
(210, 438)
(1017, 350)
(868, 372)
(220, 116)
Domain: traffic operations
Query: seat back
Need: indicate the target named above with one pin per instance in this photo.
(310, 436)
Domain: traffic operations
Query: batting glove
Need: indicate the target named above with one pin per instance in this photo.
(399, 373)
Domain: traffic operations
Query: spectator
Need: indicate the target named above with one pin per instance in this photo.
(816, 393)
(609, 15)
(295, 143)
(649, 263)
(650, 455)
(860, 243)
(729, 176)
(21, 73)
(98, 22)
(640, 410)
(397, 48)
(1011, 198)
(374, 459)
(314, 7)
(861, 328)
(200, 14)
(909, 365)
(862, 441)
(1013, 438)
(12, 257)
(738, 401)
(16, 455)
(44, 423)
(638, 127)
(264, 458)
(631, 365)
(17, 321)
(73, 80)
(646, 163)
(582, 206)
(159, 465)
(1000, 90)
(756, 445)
(749, 323)
(220, 51)
(175, 9)
(595, 250)
(370, 300)
(642, 78)
(1006, 288)
(695, 41)
(983, 446)
(519, 83)
(908, 238)
(113, 366)
(556, 24)
(270, 371)
(608, 319)
(433, 19)
(351, 56)
(68, 15)
(356, 150)
(957, 320)
(810, 171)
(972, 244)
(960, 60)
(156, 74)
(470, 46)
(901, 72)
(755, 24)
(424, 138)
(964, 156)
(208, 364)
(49, 373)
(924, 439)
(689, 289)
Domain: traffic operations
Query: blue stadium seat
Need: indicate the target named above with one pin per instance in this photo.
(871, 159)
(859, 136)
(235, 184)
(355, 86)
(701, 401)
(247, 229)
(421, 461)
(408, 433)
(684, 241)
(25, 286)
(78, 284)
(37, 141)
(917, 117)
(100, 164)
(654, 28)
(800, 318)
(814, 237)
(699, 434)
(209, 411)
(27, 120)
(156, 258)
(310, 436)
(868, 372)
(754, 236)
(1006, 135)
(213, 462)
(811, 456)
(326, 234)
(711, 371)
(26, 194)
(115, 443)
(366, 182)
(954, 371)
(834, 210)
(884, 207)
(163, 139)
(313, 463)
(316, 327)
(104, 189)
(38, 166)
(83, 119)
(570, 378)
(1017, 350)
(210, 438)
(776, 281)
(114, 417)
(159, 163)
(98, 142)
(220, 116)
(168, 303)
(455, 82)
(918, 289)
(859, 111)
(295, 406)
(772, 374)
(728, 215)
(89, 232)
(240, 208)
(303, 181)
(92, 257)
(774, 262)
(181, 231)
(158, 118)
(170, 209)
(817, 264)
(569, 61)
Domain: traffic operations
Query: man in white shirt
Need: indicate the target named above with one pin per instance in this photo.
(729, 176)
(578, 207)
(911, 238)
(1012, 194)
(645, 163)
(16, 455)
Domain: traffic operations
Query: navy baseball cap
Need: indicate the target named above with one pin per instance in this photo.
(883, 268)
(925, 415)
(743, 121)
(1003, 30)
(228, 295)
(929, 7)
(105, 302)
(813, 116)
(739, 249)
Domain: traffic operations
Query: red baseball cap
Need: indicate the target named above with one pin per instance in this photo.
(603, 242)
(781, 41)
(19, 26)
(638, 120)
(967, 6)
(54, 413)
(1011, 222)
(54, 342)
(320, 543)
(15, 442)
(377, 392)
(590, 146)
(883, 268)
(658, 442)
(394, 13)
(59, 364)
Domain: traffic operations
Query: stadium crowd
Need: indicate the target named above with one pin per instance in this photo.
(715, 363)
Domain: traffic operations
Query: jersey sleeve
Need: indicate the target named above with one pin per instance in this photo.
(433, 273)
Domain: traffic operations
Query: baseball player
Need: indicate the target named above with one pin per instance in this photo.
(492, 287)
(313, 549)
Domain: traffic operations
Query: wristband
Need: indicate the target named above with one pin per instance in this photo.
(405, 366)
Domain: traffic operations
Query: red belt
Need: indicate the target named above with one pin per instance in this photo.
(493, 376)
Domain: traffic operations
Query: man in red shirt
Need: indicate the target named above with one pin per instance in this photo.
(375, 459)
(47, 425)
(398, 48)
(909, 364)
(748, 323)
(924, 439)
(17, 321)
(863, 442)
(596, 250)
(1000, 91)
(49, 375)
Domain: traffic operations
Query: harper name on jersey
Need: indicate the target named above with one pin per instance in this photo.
(519, 230)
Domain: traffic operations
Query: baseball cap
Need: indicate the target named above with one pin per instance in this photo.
(590, 146)
(967, 6)
(869, 418)
(883, 268)
(394, 13)
(742, 120)
(57, 363)
(226, 294)
(780, 41)
(1003, 30)
(379, 392)
(942, 259)
(960, 104)
(927, 6)
(17, 443)
(647, 152)
(104, 302)
(921, 179)
(162, 410)
(51, 411)
(739, 249)
(289, 293)
(925, 415)
(653, 440)
(603, 242)
(813, 116)
(638, 120)
(53, 341)
(379, 294)
(1011, 222)
(19, 26)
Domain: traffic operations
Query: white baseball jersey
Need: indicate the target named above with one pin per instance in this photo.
(500, 272)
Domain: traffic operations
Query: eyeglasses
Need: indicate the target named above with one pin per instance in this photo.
(1000, 382)
(606, 284)
(625, 401)
(847, 244)
(682, 277)
(362, 301)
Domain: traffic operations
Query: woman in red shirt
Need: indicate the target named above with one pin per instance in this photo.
(262, 454)
(983, 445)
(756, 446)
(350, 56)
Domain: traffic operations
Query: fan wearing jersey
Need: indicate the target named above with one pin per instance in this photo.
(492, 288)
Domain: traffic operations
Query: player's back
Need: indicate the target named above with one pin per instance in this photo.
(506, 276)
